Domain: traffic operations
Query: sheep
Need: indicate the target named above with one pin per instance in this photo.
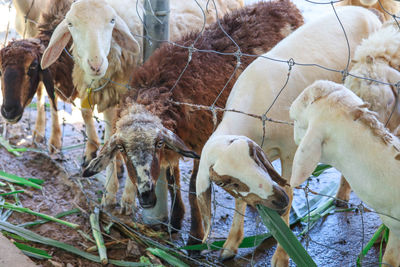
(152, 127)
(105, 53)
(388, 8)
(256, 90)
(27, 16)
(376, 58)
(22, 76)
(334, 126)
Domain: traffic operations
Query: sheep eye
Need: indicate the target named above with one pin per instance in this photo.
(112, 21)
(159, 144)
(69, 24)
(121, 148)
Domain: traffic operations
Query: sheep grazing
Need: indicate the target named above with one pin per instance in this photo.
(376, 58)
(257, 88)
(334, 126)
(27, 16)
(388, 8)
(22, 76)
(105, 53)
(151, 128)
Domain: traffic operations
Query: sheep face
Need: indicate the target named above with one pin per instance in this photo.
(94, 27)
(21, 74)
(240, 167)
(142, 141)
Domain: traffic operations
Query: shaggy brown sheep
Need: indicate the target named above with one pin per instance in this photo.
(22, 76)
(150, 120)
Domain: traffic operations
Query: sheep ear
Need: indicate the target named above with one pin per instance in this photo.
(59, 39)
(123, 36)
(47, 80)
(259, 157)
(173, 142)
(107, 153)
(307, 156)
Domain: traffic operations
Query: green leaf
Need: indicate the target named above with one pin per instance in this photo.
(32, 252)
(36, 181)
(320, 169)
(59, 215)
(12, 193)
(285, 237)
(167, 257)
(7, 146)
(18, 180)
(371, 242)
(31, 236)
(44, 216)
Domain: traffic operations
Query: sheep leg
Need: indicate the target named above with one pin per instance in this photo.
(236, 233)
(110, 197)
(55, 136)
(177, 206)
(159, 213)
(280, 257)
(40, 125)
(196, 226)
(93, 142)
(343, 193)
(392, 255)
(128, 200)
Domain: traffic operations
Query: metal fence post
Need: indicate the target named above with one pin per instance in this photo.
(156, 25)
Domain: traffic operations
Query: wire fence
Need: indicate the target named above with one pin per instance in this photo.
(72, 166)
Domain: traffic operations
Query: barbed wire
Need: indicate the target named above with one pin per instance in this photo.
(72, 173)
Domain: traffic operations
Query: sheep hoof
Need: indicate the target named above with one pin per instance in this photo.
(54, 146)
(38, 138)
(127, 208)
(88, 158)
(108, 202)
(227, 254)
(340, 203)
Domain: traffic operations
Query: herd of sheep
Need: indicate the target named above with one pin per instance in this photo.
(341, 115)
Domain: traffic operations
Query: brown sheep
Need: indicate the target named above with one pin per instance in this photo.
(150, 121)
(22, 76)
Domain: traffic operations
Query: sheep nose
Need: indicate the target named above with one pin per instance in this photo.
(9, 112)
(95, 65)
(148, 199)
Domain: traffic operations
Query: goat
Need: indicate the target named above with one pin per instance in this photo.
(22, 76)
(259, 89)
(388, 8)
(376, 58)
(27, 16)
(334, 126)
(152, 127)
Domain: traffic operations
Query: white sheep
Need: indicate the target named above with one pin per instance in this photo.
(261, 82)
(334, 126)
(377, 58)
(388, 8)
(27, 16)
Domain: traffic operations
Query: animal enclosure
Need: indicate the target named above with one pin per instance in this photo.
(333, 236)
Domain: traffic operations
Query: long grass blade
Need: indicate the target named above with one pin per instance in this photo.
(31, 236)
(58, 216)
(167, 257)
(18, 180)
(12, 193)
(44, 216)
(285, 237)
(32, 252)
(370, 243)
(7, 146)
(98, 237)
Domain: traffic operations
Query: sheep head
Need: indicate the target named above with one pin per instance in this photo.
(240, 167)
(21, 74)
(143, 141)
(93, 25)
